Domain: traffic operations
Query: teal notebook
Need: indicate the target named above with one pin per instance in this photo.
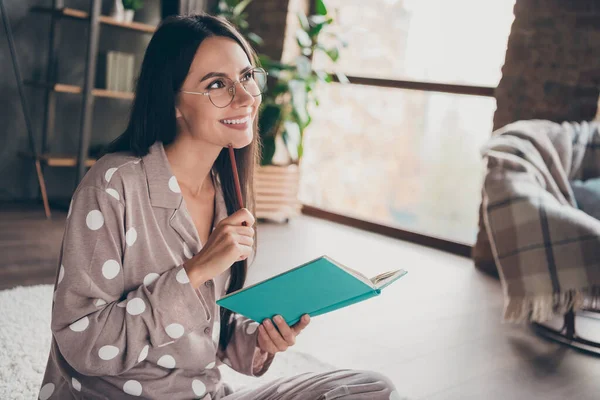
(317, 287)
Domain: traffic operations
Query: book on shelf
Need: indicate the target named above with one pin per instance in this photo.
(115, 71)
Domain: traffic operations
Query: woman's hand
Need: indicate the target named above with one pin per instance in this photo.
(272, 341)
(228, 243)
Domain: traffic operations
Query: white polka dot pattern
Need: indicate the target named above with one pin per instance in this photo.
(174, 185)
(131, 237)
(210, 365)
(46, 391)
(166, 361)
(198, 387)
(182, 276)
(143, 353)
(110, 269)
(136, 306)
(251, 328)
(80, 325)
(113, 193)
(61, 274)
(175, 331)
(151, 277)
(100, 303)
(94, 220)
(133, 388)
(108, 352)
(109, 173)
(187, 252)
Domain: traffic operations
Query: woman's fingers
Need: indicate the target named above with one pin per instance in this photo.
(300, 325)
(265, 342)
(246, 251)
(286, 332)
(245, 231)
(241, 215)
(275, 336)
(245, 240)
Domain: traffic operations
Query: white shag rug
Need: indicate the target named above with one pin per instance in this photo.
(25, 342)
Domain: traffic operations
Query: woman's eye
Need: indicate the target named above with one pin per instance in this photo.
(248, 75)
(217, 85)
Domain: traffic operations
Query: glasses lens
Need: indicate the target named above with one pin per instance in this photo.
(255, 82)
(223, 95)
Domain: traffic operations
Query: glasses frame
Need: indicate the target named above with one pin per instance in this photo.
(233, 88)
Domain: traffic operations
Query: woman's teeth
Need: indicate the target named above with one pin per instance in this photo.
(236, 121)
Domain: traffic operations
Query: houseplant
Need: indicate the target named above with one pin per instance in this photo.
(131, 6)
(285, 110)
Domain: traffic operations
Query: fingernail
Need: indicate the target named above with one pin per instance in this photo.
(267, 322)
(278, 318)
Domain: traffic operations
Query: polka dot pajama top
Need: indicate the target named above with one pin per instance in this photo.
(126, 321)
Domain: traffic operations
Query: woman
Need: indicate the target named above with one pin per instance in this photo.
(153, 240)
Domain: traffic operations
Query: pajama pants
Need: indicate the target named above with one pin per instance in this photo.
(341, 384)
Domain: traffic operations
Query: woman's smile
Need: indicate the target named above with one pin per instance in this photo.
(241, 122)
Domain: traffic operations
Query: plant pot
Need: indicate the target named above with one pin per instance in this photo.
(128, 15)
(276, 190)
(118, 11)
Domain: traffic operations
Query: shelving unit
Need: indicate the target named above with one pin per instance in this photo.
(53, 87)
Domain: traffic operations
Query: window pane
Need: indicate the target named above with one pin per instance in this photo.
(402, 158)
(461, 41)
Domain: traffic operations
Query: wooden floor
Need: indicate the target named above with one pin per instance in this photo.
(29, 245)
(437, 332)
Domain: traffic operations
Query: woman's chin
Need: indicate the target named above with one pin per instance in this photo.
(240, 141)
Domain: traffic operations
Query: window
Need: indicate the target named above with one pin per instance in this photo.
(407, 158)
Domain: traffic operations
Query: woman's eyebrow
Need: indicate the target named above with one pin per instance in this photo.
(214, 74)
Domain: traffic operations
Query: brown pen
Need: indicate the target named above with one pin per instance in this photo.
(236, 178)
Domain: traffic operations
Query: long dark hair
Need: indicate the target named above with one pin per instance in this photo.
(166, 64)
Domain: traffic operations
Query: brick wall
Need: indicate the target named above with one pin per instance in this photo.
(552, 66)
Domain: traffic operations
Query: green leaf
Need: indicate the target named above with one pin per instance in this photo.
(338, 37)
(304, 67)
(269, 118)
(319, 20)
(320, 7)
(303, 38)
(292, 137)
(342, 77)
(268, 150)
(240, 7)
(222, 7)
(333, 53)
(268, 64)
(303, 21)
(317, 23)
(299, 102)
(324, 76)
(300, 150)
(253, 37)
(279, 89)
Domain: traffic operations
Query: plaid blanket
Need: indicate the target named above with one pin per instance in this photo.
(547, 251)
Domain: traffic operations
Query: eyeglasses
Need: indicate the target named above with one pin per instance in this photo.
(222, 91)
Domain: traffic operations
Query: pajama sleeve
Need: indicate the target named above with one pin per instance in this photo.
(101, 327)
(242, 353)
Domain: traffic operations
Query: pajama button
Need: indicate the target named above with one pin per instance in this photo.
(208, 283)
(207, 330)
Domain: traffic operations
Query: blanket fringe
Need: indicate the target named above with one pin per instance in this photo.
(545, 307)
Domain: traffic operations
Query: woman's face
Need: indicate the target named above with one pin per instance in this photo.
(217, 58)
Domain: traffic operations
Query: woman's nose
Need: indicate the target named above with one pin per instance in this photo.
(242, 97)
